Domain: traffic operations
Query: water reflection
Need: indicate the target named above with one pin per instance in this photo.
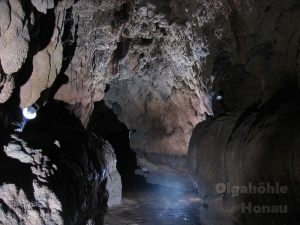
(153, 204)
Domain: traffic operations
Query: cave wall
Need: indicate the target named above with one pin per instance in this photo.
(161, 65)
(54, 172)
(248, 50)
(259, 148)
(87, 43)
(31, 47)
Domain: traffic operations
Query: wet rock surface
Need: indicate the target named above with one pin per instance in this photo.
(166, 170)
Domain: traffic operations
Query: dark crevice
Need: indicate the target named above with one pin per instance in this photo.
(248, 112)
(161, 29)
(142, 55)
(107, 88)
(234, 20)
(60, 80)
(267, 110)
(121, 16)
(120, 52)
(69, 39)
(271, 107)
(6, 210)
(57, 110)
(122, 49)
(25, 72)
(268, 8)
(104, 123)
(55, 3)
(47, 25)
(146, 41)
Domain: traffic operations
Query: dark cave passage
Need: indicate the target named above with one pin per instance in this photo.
(105, 124)
(209, 90)
(142, 202)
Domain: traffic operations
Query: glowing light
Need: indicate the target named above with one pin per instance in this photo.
(219, 97)
(29, 112)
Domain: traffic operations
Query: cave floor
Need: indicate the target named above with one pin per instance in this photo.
(153, 204)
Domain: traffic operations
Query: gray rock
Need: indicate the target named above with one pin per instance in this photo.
(114, 183)
(257, 148)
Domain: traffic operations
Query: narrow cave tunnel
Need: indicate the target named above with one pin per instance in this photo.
(209, 89)
(142, 200)
(106, 125)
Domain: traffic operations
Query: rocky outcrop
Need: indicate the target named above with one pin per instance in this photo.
(14, 44)
(230, 154)
(52, 172)
(253, 140)
(31, 47)
(91, 41)
(113, 183)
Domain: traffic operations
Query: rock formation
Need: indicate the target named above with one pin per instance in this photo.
(52, 173)
(159, 65)
(259, 148)
(113, 183)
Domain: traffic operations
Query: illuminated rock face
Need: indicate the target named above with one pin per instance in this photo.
(52, 173)
(113, 183)
(31, 47)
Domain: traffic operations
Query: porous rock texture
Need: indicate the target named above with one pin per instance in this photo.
(14, 38)
(30, 47)
(47, 50)
(54, 172)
